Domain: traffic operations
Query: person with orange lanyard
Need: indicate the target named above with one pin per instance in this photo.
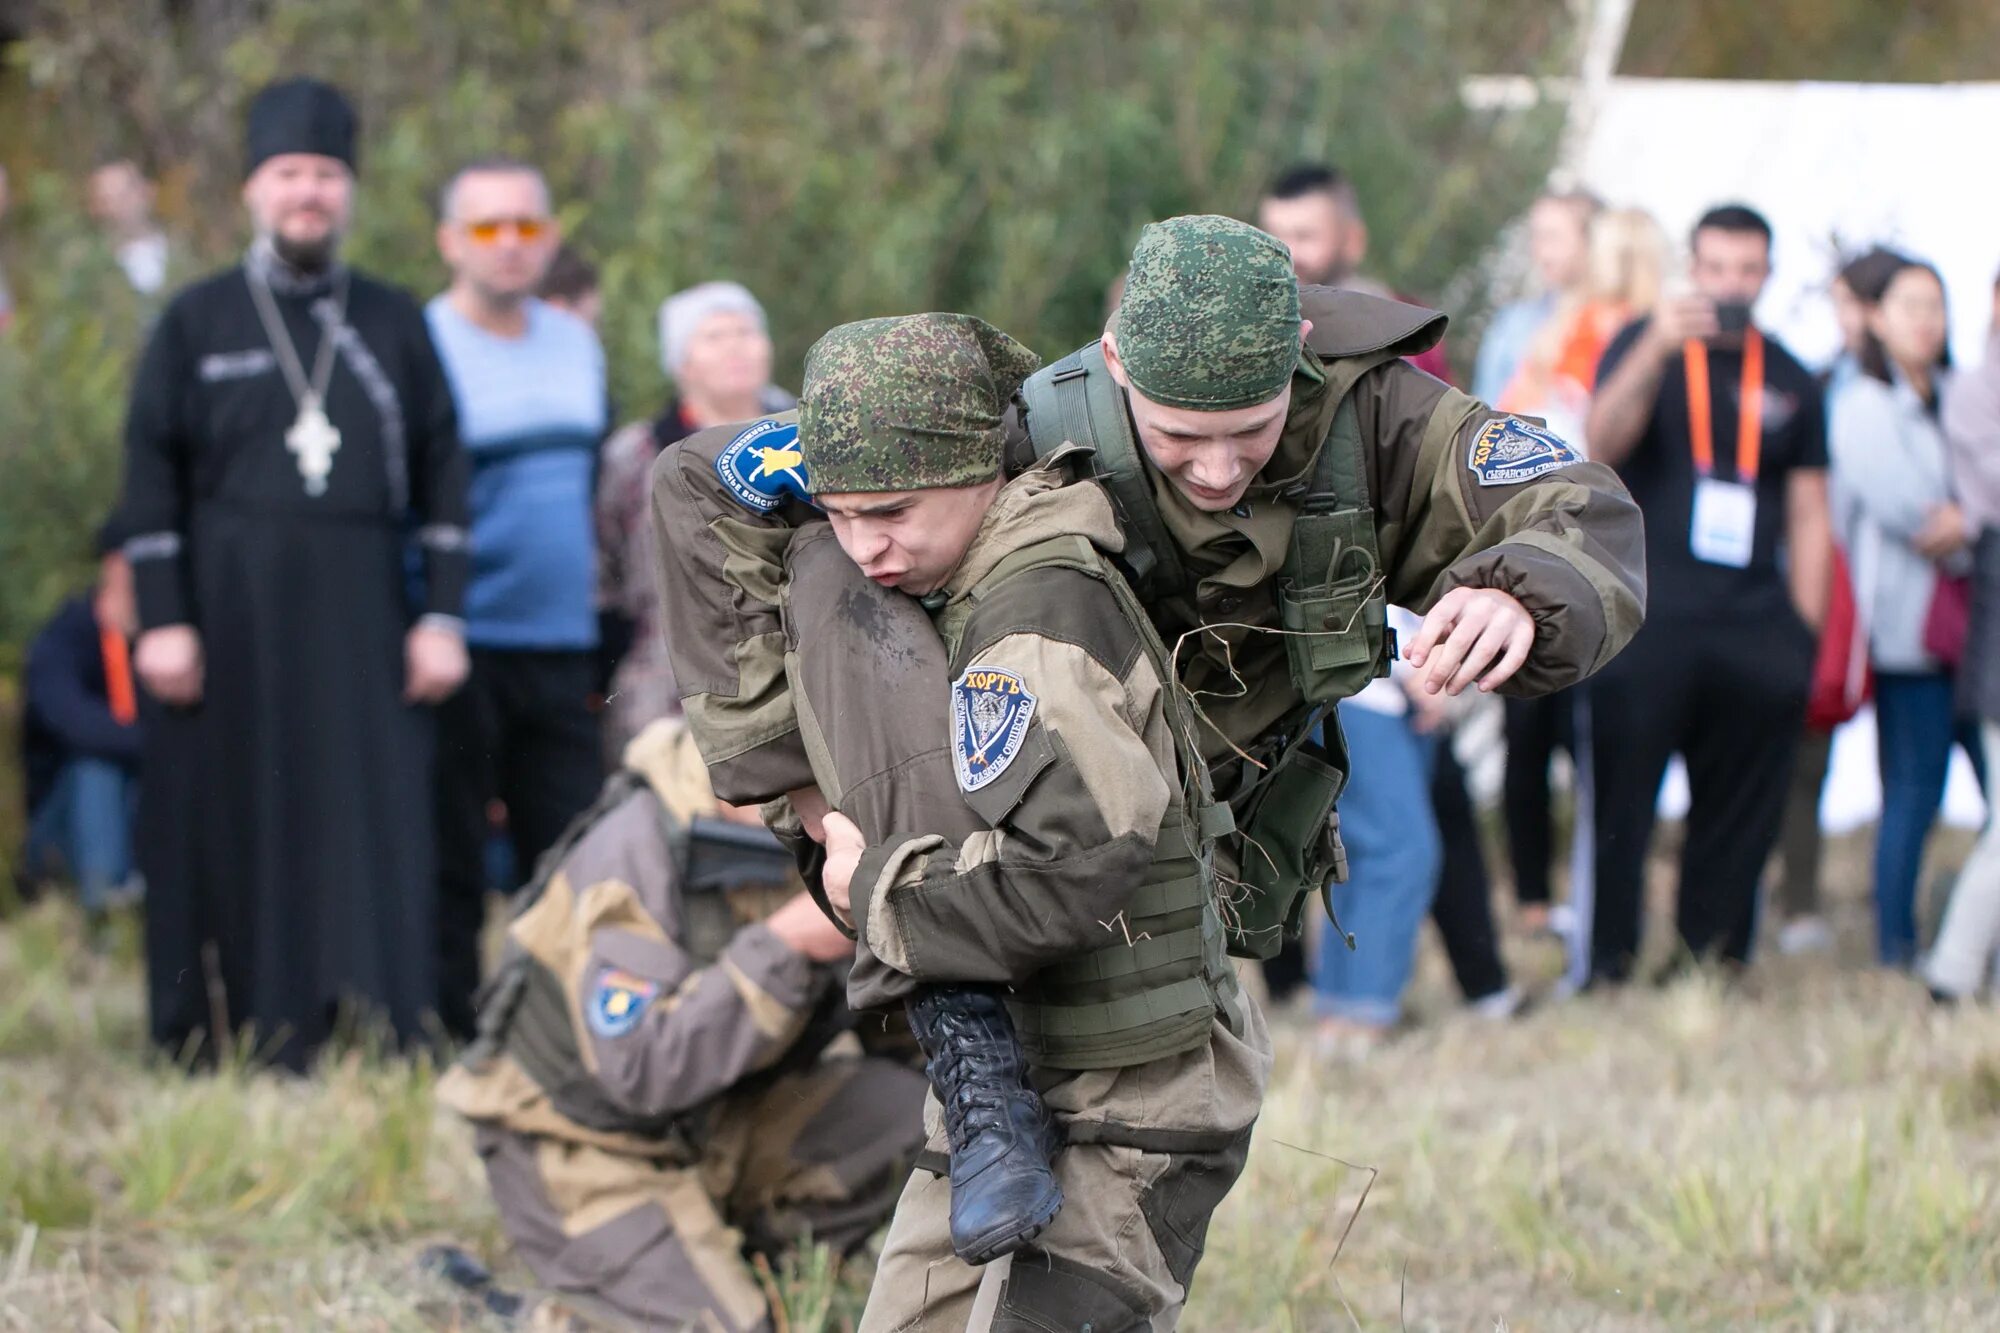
(80, 741)
(1720, 435)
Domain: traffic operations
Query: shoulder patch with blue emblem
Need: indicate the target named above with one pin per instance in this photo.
(990, 712)
(1508, 451)
(618, 1001)
(763, 467)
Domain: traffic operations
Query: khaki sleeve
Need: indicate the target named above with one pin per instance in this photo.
(1072, 818)
(667, 1035)
(1469, 497)
(719, 572)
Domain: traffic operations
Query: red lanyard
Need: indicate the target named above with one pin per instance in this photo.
(1750, 407)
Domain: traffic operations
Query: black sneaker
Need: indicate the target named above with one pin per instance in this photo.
(1002, 1138)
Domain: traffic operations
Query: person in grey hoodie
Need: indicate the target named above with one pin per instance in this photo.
(1962, 957)
(1896, 513)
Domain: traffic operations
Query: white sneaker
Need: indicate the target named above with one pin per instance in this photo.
(1805, 934)
(1498, 1007)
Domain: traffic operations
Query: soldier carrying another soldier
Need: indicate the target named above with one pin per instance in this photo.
(1080, 877)
(1277, 476)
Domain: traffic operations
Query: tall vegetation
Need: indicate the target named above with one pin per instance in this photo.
(842, 157)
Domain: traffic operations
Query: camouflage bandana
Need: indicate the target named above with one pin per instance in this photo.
(907, 404)
(1210, 319)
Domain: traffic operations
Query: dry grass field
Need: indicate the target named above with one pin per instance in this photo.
(1816, 1148)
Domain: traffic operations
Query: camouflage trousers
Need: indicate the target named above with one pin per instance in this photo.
(639, 1243)
(1152, 1149)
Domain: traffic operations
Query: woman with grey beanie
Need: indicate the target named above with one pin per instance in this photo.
(715, 348)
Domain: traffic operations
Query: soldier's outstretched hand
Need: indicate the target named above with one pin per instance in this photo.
(1472, 634)
(844, 845)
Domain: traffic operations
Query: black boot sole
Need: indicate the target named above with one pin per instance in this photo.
(997, 1245)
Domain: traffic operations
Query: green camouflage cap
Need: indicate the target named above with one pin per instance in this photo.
(1210, 319)
(908, 403)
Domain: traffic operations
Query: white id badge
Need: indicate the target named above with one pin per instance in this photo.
(1725, 522)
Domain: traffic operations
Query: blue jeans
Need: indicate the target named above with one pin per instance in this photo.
(85, 828)
(1393, 858)
(1914, 727)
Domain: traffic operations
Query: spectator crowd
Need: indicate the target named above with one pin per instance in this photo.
(478, 640)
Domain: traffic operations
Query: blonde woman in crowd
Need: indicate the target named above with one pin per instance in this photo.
(1627, 266)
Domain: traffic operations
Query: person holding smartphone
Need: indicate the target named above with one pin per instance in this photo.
(1720, 435)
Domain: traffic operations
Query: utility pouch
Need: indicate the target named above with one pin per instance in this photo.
(1332, 606)
(1290, 845)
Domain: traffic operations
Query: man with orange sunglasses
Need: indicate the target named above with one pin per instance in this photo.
(529, 383)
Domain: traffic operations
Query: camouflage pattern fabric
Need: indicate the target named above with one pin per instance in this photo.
(913, 402)
(1210, 319)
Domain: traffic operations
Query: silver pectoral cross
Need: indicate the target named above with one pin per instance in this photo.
(314, 441)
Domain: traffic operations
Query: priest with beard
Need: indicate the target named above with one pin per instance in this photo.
(291, 439)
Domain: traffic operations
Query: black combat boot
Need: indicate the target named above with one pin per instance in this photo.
(1003, 1185)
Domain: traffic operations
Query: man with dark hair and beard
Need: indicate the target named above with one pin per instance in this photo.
(290, 429)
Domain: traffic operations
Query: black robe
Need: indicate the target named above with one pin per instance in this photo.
(284, 826)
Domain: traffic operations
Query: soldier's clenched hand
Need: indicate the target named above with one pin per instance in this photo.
(844, 845)
(1469, 632)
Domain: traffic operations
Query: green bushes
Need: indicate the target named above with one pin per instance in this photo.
(842, 157)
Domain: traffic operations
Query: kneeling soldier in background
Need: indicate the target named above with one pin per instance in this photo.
(651, 1087)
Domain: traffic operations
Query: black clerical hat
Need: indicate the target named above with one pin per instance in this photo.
(299, 116)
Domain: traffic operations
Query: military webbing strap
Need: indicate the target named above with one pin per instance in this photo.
(1078, 396)
(1102, 1018)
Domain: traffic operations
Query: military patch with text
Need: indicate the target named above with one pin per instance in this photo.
(619, 1001)
(763, 467)
(990, 712)
(1508, 451)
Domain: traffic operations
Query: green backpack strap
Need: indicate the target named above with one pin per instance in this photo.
(1075, 401)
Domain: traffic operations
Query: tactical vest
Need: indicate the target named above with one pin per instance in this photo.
(1332, 609)
(524, 1011)
(1156, 989)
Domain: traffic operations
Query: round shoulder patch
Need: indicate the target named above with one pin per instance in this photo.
(1508, 451)
(763, 467)
(990, 712)
(618, 1001)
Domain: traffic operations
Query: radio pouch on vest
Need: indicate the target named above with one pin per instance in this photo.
(1332, 603)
